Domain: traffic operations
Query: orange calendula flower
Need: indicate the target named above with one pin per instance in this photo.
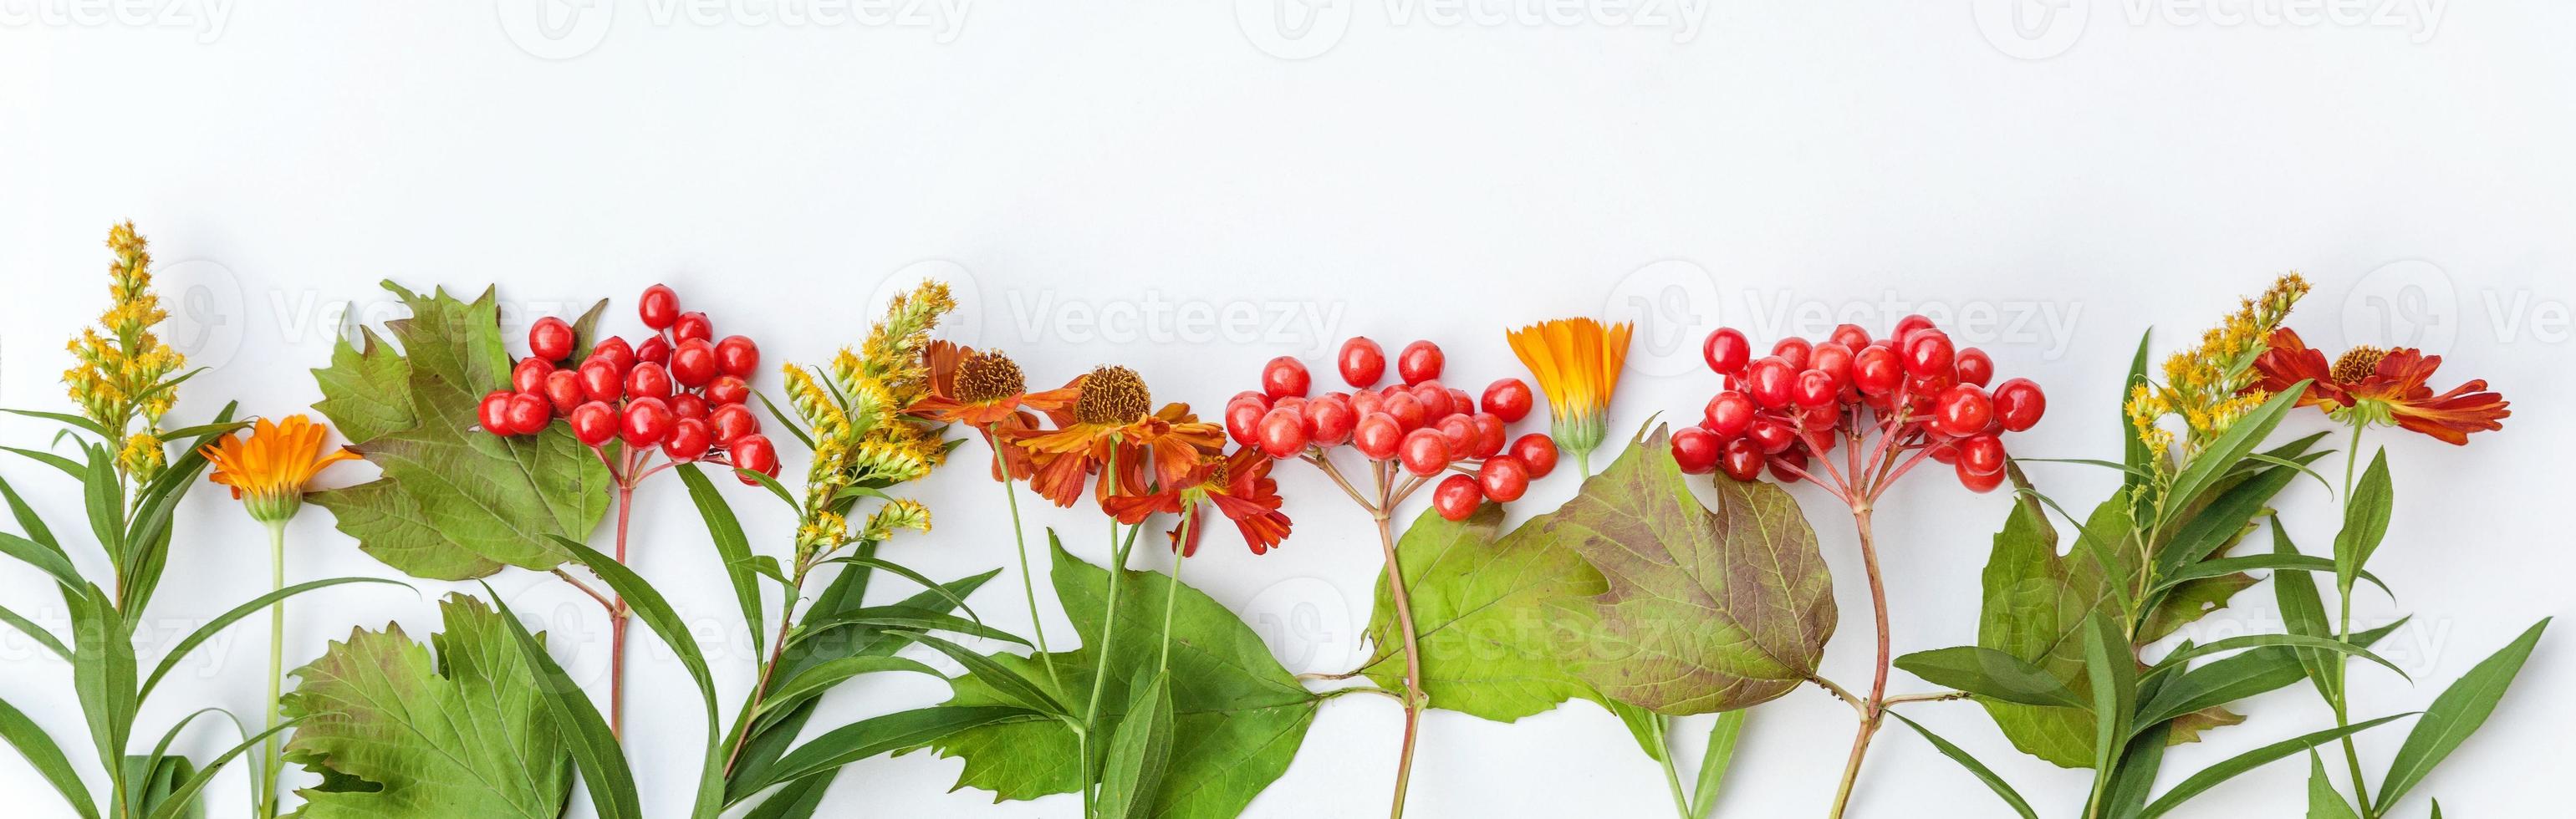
(1238, 485)
(269, 469)
(1112, 421)
(1577, 363)
(2370, 385)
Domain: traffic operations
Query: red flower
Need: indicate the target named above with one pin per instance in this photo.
(2375, 386)
(1238, 485)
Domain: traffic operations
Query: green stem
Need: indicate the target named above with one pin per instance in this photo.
(1028, 581)
(268, 787)
(1172, 595)
(1108, 628)
(2343, 631)
(1672, 776)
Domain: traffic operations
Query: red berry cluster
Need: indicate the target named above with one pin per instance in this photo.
(1422, 425)
(682, 389)
(1919, 392)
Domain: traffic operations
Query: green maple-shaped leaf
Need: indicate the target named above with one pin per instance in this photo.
(1239, 716)
(398, 734)
(1703, 610)
(1484, 607)
(454, 503)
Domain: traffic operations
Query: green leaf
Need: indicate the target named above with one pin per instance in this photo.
(458, 734)
(877, 735)
(36, 632)
(182, 801)
(2275, 561)
(1984, 774)
(2327, 644)
(103, 670)
(1704, 610)
(901, 617)
(2323, 801)
(74, 421)
(47, 758)
(732, 548)
(2133, 448)
(53, 563)
(2457, 713)
(648, 604)
(595, 752)
(2221, 456)
(2303, 613)
(819, 679)
(2365, 521)
(1990, 673)
(455, 503)
(170, 660)
(1139, 751)
(1713, 763)
(2035, 607)
(2227, 517)
(1238, 717)
(1016, 690)
(1482, 608)
(2213, 775)
(2113, 672)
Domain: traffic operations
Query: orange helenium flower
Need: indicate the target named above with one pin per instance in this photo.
(1238, 485)
(270, 468)
(2370, 385)
(1109, 419)
(986, 390)
(1577, 363)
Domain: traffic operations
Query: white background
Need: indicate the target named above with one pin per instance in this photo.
(1415, 175)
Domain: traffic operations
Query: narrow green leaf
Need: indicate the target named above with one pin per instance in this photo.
(1713, 763)
(30, 522)
(774, 487)
(1019, 690)
(732, 548)
(103, 496)
(814, 681)
(786, 423)
(2365, 520)
(1983, 773)
(2323, 801)
(2175, 660)
(2458, 712)
(2303, 613)
(75, 469)
(594, 747)
(2229, 769)
(2133, 447)
(170, 660)
(179, 801)
(657, 614)
(2276, 561)
(1990, 673)
(1139, 751)
(1646, 727)
(103, 672)
(906, 573)
(49, 561)
(2221, 456)
(47, 758)
(36, 633)
(2113, 672)
(873, 736)
(902, 617)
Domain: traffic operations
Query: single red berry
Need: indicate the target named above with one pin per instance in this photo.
(737, 356)
(1377, 436)
(646, 422)
(1367, 401)
(728, 389)
(659, 307)
(1742, 459)
(1962, 411)
(1490, 434)
(687, 405)
(1907, 325)
(732, 422)
(1815, 389)
(1420, 362)
(1786, 466)
(1927, 354)
(1436, 402)
(1459, 433)
(2019, 403)
(689, 439)
(1504, 478)
(1291, 403)
(601, 380)
(1696, 449)
(1285, 376)
(1425, 452)
(1876, 370)
(529, 375)
(1835, 360)
(1509, 399)
(1457, 497)
(1537, 451)
(1330, 420)
(528, 413)
(1460, 402)
(655, 349)
(1407, 410)
(648, 380)
(1979, 484)
(1728, 413)
(1769, 380)
(1283, 433)
(563, 390)
(494, 412)
(753, 453)
(1793, 350)
(1771, 436)
(1981, 454)
(1851, 336)
(1945, 451)
(1243, 420)
(614, 351)
(550, 339)
(693, 326)
(1974, 366)
(1726, 351)
(594, 423)
(1362, 362)
(693, 362)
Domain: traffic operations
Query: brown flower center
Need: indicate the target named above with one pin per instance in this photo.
(986, 377)
(1113, 396)
(2358, 363)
